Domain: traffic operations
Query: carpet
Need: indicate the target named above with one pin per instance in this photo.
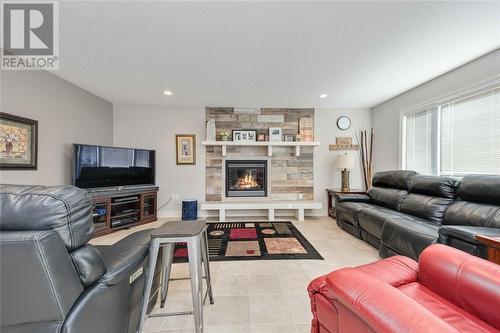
(253, 241)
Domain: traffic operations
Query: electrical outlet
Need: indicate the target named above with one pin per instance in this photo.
(175, 196)
(301, 196)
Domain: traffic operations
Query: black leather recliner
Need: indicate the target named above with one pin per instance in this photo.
(404, 212)
(476, 211)
(51, 279)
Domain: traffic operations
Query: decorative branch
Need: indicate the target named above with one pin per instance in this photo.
(362, 151)
(370, 174)
(367, 157)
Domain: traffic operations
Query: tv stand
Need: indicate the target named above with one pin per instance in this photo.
(122, 207)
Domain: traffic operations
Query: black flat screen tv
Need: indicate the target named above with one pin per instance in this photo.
(101, 166)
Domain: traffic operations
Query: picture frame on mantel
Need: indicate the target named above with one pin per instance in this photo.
(275, 134)
(244, 135)
(185, 149)
(18, 142)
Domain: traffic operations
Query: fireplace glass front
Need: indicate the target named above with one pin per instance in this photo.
(245, 178)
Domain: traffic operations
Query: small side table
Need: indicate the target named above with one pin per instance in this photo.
(165, 237)
(331, 201)
(493, 244)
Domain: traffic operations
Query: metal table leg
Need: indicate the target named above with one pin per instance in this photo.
(194, 253)
(167, 259)
(206, 264)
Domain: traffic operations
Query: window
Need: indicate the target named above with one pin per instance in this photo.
(420, 150)
(456, 136)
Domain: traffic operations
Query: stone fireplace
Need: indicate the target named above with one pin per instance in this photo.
(288, 177)
(246, 178)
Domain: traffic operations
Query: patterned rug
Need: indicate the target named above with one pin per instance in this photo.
(253, 241)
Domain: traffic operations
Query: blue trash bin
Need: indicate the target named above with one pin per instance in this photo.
(189, 210)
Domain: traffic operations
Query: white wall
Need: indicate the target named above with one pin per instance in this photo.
(154, 127)
(326, 130)
(66, 114)
(386, 115)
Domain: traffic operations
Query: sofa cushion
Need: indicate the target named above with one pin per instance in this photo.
(429, 197)
(456, 317)
(480, 188)
(426, 207)
(348, 211)
(64, 209)
(433, 186)
(387, 197)
(473, 214)
(372, 219)
(399, 179)
(409, 236)
(445, 271)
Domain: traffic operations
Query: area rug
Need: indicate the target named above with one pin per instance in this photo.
(253, 241)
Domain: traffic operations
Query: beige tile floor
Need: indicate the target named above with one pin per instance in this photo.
(259, 296)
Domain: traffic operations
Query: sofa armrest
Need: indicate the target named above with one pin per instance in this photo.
(125, 257)
(315, 289)
(351, 198)
(396, 271)
(466, 233)
(382, 306)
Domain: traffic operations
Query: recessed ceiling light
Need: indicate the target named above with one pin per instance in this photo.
(323, 96)
(166, 92)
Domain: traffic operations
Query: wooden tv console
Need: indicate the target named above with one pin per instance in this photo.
(120, 208)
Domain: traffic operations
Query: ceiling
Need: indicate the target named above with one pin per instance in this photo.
(252, 54)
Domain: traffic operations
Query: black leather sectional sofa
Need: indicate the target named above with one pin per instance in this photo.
(52, 280)
(404, 212)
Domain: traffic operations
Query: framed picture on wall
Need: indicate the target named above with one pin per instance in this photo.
(18, 142)
(185, 148)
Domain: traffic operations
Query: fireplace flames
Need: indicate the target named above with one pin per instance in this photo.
(247, 182)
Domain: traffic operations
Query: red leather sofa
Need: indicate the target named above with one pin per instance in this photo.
(446, 291)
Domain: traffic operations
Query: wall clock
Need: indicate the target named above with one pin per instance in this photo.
(343, 123)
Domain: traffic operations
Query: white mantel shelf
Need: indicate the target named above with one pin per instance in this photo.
(268, 144)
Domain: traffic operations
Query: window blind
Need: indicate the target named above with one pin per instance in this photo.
(419, 139)
(470, 134)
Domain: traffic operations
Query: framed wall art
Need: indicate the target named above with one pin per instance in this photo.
(18, 142)
(185, 148)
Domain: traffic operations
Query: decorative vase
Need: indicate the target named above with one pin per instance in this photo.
(211, 130)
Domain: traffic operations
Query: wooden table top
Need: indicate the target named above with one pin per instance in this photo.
(492, 241)
(352, 191)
